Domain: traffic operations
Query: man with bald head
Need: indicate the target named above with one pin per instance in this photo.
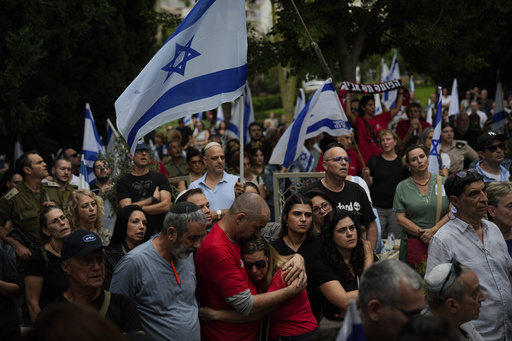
(462, 131)
(219, 187)
(222, 280)
(346, 195)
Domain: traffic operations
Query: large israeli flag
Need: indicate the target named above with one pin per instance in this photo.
(323, 113)
(299, 103)
(499, 118)
(242, 107)
(435, 148)
(203, 64)
(92, 144)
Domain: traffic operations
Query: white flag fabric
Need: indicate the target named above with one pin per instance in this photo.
(499, 118)
(92, 145)
(454, 100)
(389, 97)
(378, 105)
(435, 148)
(203, 64)
(384, 71)
(322, 113)
(299, 103)
(411, 85)
(220, 116)
(352, 327)
(429, 112)
(83, 180)
(18, 149)
(242, 106)
(306, 158)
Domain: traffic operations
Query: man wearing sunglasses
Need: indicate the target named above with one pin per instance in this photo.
(454, 295)
(479, 244)
(491, 149)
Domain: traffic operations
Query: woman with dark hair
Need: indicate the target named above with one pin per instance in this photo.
(9, 180)
(343, 257)
(129, 232)
(259, 162)
(292, 319)
(249, 176)
(460, 152)
(298, 236)
(368, 126)
(44, 278)
(321, 205)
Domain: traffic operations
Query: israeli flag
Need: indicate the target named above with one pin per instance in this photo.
(352, 327)
(499, 118)
(306, 158)
(203, 64)
(220, 116)
(92, 145)
(83, 180)
(384, 70)
(112, 135)
(435, 148)
(389, 97)
(429, 112)
(188, 120)
(299, 103)
(323, 113)
(378, 105)
(454, 100)
(243, 106)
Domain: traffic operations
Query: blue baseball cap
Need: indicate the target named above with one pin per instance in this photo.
(80, 243)
(141, 145)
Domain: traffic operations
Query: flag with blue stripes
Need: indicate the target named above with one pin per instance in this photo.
(83, 180)
(306, 158)
(299, 103)
(435, 148)
(499, 118)
(220, 116)
(389, 97)
(352, 327)
(92, 145)
(243, 106)
(203, 64)
(322, 113)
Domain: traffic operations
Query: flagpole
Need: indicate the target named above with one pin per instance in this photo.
(242, 133)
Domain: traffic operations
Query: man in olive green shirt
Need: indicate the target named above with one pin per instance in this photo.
(62, 174)
(23, 203)
(176, 165)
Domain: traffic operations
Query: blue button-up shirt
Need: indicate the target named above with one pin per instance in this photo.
(222, 196)
(504, 174)
(491, 263)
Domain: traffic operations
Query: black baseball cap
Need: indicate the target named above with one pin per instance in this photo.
(486, 139)
(80, 243)
(141, 145)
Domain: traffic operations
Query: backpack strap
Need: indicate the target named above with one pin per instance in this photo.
(106, 303)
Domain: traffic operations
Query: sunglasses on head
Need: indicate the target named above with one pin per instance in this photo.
(494, 148)
(259, 264)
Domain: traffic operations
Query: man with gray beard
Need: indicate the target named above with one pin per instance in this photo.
(160, 277)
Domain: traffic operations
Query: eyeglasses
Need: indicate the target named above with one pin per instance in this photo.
(409, 313)
(75, 154)
(494, 148)
(340, 159)
(454, 269)
(323, 206)
(259, 264)
(354, 108)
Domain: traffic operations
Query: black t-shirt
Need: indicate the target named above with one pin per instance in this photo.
(121, 311)
(386, 176)
(323, 273)
(310, 250)
(470, 137)
(138, 188)
(55, 280)
(9, 324)
(185, 133)
(352, 198)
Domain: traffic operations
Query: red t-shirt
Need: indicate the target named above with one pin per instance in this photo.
(292, 317)
(403, 126)
(366, 142)
(355, 167)
(221, 274)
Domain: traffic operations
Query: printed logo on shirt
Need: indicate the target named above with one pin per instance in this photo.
(241, 263)
(356, 206)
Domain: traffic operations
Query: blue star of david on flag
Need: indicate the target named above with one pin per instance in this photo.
(182, 54)
(435, 148)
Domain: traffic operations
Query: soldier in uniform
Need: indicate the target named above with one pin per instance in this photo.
(458, 150)
(23, 203)
(61, 172)
(176, 165)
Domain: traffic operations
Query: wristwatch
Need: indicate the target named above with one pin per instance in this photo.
(154, 200)
(219, 214)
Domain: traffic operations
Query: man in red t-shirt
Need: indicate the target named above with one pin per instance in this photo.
(222, 281)
(413, 126)
(369, 126)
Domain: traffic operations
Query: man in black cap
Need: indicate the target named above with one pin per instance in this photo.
(82, 255)
(491, 149)
(160, 276)
(150, 190)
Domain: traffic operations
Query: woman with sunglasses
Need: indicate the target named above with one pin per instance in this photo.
(293, 319)
(421, 206)
(382, 175)
(459, 151)
(343, 257)
(44, 278)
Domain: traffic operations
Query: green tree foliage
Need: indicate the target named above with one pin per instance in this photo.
(57, 55)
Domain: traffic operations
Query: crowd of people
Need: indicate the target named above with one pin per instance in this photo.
(216, 263)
